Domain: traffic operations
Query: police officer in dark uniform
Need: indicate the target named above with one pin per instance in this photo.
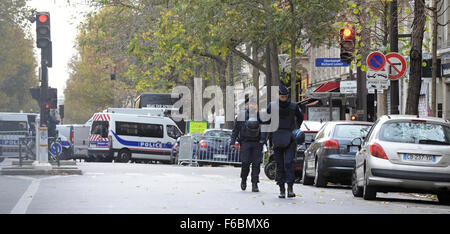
(283, 142)
(51, 124)
(247, 130)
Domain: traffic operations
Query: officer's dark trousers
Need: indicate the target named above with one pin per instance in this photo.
(284, 157)
(251, 153)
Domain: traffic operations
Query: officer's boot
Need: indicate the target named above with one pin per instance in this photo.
(243, 184)
(282, 191)
(291, 190)
(255, 187)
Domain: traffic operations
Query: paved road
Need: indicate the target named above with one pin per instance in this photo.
(154, 188)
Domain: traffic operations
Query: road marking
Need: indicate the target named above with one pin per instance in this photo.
(23, 203)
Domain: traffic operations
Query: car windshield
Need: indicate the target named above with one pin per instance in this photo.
(217, 134)
(351, 131)
(416, 133)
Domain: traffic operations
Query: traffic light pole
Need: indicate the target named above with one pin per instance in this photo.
(44, 90)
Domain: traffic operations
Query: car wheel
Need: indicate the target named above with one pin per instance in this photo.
(319, 179)
(124, 156)
(306, 179)
(271, 170)
(356, 190)
(369, 192)
(444, 198)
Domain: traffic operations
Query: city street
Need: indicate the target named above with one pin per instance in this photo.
(106, 188)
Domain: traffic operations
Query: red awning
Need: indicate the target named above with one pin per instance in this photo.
(327, 87)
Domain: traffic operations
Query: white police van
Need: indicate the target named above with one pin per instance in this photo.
(12, 127)
(122, 137)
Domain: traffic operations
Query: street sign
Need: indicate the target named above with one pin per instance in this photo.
(376, 61)
(330, 62)
(377, 80)
(348, 86)
(397, 64)
(197, 126)
(56, 148)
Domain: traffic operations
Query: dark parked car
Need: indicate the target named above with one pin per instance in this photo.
(331, 156)
(310, 128)
(214, 148)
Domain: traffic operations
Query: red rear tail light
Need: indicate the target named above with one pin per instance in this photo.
(203, 144)
(377, 151)
(71, 138)
(331, 144)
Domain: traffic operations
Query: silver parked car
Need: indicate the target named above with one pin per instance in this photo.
(404, 154)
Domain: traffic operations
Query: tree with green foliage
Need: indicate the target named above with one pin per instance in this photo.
(18, 64)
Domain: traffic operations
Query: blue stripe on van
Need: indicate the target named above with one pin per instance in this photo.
(142, 144)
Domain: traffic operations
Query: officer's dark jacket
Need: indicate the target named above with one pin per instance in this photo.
(239, 127)
(288, 106)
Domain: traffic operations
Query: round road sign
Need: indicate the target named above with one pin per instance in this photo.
(376, 61)
(397, 64)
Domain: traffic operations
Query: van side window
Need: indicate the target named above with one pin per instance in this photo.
(139, 129)
(173, 132)
(151, 130)
(127, 129)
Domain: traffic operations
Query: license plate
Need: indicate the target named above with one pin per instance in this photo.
(419, 158)
(221, 156)
(353, 149)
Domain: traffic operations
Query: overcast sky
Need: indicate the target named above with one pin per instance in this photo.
(64, 19)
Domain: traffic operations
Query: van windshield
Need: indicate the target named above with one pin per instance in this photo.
(99, 128)
(416, 133)
(13, 126)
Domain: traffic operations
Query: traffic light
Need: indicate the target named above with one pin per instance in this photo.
(43, 39)
(52, 96)
(347, 42)
(35, 93)
(61, 111)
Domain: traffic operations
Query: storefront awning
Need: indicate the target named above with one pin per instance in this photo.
(327, 87)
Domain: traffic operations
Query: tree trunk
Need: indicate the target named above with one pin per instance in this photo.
(255, 72)
(274, 64)
(412, 100)
(293, 71)
(228, 122)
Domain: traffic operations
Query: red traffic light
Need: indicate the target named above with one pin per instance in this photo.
(346, 33)
(43, 18)
(47, 106)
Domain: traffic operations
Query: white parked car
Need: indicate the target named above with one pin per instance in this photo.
(404, 154)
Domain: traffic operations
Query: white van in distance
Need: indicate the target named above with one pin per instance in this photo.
(122, 137)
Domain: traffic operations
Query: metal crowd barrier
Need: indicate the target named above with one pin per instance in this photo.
(209, 150)
(29, 145)
(9, 141)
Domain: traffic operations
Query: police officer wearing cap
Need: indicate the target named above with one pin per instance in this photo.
(284, 140)
(247, 131)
